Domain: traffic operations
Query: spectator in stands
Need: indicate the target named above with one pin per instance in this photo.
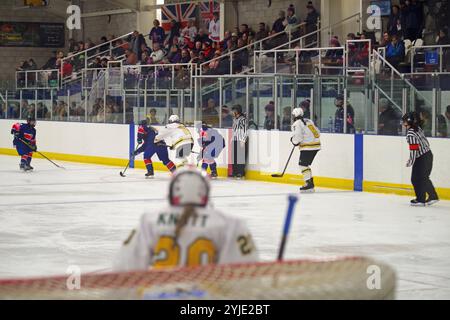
(153, 120)
(442, 38)
(243, 28)
(385, 40)
(389, 120)
(202, 36)
(213, 66)
(51, 63)
(157, 33)
(66, 68)
(224, 42)
(334, 56)
(262, 32)
(395, 21)
(174, 32)
(291, 18)
(194, 57)
(210, 114)
(240, 58)
(198, 47)
(158, 54)
(145, 48)
(131, 57)
(410, 23)
(339, 116)
(185, 57)
(245, 38)
(214, 28)
(42, 111)
(312, 18)
(136, 42)
(71, 42)
(278, 25)
(119, 50)
(427, 126)
(425, 116)
(395, 51)
(32, 65)
(104, 62)
(286, 120)
(269, 121)
(103, 49)
(305, 105)
(207, 50)
(227, 118)
(174, 56)
(189, 33)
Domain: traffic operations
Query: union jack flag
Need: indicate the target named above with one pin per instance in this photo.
(207, 10)
(181, 12)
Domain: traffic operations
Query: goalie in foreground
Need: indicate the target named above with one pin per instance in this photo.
(189, 232)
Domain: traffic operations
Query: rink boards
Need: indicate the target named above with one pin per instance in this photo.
(351, 162)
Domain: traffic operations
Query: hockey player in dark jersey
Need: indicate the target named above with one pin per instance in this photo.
(146, 136)
(211, 143)
(25, 141)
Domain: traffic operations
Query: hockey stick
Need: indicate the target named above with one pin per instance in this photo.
(277, 175)
(43, 155)
(122, 173)
(287, 223)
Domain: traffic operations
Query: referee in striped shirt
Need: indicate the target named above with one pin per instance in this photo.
(240, 142)
(421, 160)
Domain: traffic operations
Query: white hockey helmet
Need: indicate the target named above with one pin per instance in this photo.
(174, 118)
(297, 112)
(189, 186)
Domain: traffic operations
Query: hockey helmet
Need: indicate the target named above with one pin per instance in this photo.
(237, 108)
(297, 113)
(174, 118)
(31, 120)
(189, 186)
(412, 119)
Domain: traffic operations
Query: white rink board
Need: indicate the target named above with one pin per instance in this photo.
(385, 160)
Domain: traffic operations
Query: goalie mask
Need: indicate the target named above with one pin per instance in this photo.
(189, 186)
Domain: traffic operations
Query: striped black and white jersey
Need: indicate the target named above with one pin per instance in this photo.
(240, 128)
(418, 144)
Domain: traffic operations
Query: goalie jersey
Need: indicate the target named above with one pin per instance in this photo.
(306, 135)
(175, 134)
(208, 237)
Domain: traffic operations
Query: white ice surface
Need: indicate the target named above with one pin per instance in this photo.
(51, 219)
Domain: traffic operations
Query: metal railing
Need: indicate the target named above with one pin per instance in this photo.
(300, 41)
(313, 59)
(257, 45)
(438, 60)
(37, 79)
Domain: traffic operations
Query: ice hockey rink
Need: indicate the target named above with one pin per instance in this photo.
(51, 219)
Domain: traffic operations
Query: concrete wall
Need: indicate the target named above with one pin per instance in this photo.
(252, 12)
(10, 57)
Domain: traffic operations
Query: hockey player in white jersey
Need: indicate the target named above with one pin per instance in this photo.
(307, 136)
(177, 137)
(189, 232)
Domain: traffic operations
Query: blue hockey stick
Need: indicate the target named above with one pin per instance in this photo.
(287, 223)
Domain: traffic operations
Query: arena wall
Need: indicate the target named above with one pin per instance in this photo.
(375, 162)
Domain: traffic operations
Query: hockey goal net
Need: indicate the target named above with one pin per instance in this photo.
(344, 278)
